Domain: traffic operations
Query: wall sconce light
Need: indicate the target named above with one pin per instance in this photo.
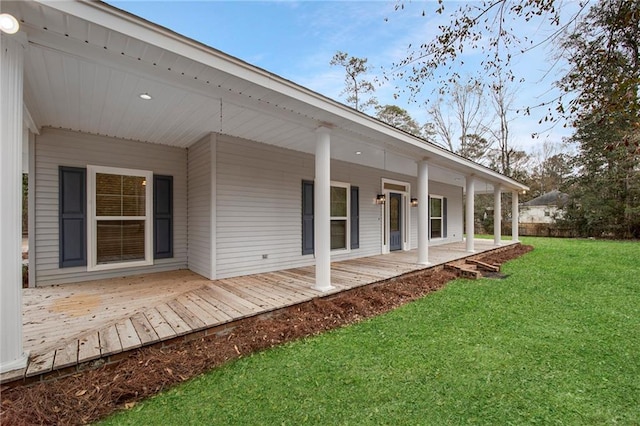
(380, 199)
(414, 202)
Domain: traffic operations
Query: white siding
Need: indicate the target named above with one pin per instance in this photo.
(200, 195)
(259, 222)
(54, 148)
(259, 207)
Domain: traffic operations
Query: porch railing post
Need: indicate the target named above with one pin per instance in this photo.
(469, 215)
(497, 215)
(514, 216)
(322, 213)
(12, 356)
(423, 212)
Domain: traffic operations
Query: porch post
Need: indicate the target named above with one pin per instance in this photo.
(423, 212)
(469, 215)
(514, 216)
(12, 356)
(497, 215)
(322, 213)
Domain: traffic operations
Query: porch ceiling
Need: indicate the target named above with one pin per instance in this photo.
(85, 71)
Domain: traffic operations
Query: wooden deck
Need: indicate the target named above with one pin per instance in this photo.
(68, 325)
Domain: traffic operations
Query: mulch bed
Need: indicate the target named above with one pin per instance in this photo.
(93, 394)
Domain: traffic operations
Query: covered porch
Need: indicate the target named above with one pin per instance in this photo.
(66, 326)
(162, 106)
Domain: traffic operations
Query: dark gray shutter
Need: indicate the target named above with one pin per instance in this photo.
(72, 216)
(444, 218)
(162, 217)
(355, 217)
(307, 217)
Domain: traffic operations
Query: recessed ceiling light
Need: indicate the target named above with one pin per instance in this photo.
(145, 96)
(358, 152)
(8, 23)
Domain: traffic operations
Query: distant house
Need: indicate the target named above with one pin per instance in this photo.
(148, 151)
(537, 214)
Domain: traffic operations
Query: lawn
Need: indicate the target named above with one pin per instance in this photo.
(556, 342)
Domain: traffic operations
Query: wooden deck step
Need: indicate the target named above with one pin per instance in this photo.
(464, 270)
(484, 266)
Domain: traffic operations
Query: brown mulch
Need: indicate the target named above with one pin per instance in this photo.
(93, 394)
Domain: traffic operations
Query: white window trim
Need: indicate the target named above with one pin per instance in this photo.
(441, 217)
(92, 264)
(406, 225)
(347, 218)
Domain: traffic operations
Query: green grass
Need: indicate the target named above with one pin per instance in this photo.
(557, 342)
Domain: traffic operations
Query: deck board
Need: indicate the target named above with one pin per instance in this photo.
(293, 294)
(209, 313)
(128, 335)
(231, 311)
(174, 320)
(242, 305)
(41, 363)
(144, 329)
(294, 283)
(178, 306)
(89, 347)
(261, 288)
(251, 289)
(233, 286)
(66, 355)
(159, 324)
(110, 341)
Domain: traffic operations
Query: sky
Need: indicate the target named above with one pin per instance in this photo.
(297, 39)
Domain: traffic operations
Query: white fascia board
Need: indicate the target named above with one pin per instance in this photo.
(128, 24)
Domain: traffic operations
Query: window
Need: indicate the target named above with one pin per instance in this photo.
(345, 217)
(73, 217)
(339, 216)
(120, 220)
(436, 216)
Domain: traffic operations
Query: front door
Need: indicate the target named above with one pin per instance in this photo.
(395, 221)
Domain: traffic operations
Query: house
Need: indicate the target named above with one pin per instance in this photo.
(543, 209)
(539, 214)
(148, 151)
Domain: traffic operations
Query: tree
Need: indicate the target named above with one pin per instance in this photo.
(465, 104)
(604, 56)
(399, 118)
(358, 89)
(490, 28)
(551, 169)
(476, 148)
(507, 155)
(604, 75)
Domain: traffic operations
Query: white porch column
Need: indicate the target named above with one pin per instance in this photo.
(497, 215)
(514, 216)
(469, 215)
(12, 356)
(423, 212)
(322, 212)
